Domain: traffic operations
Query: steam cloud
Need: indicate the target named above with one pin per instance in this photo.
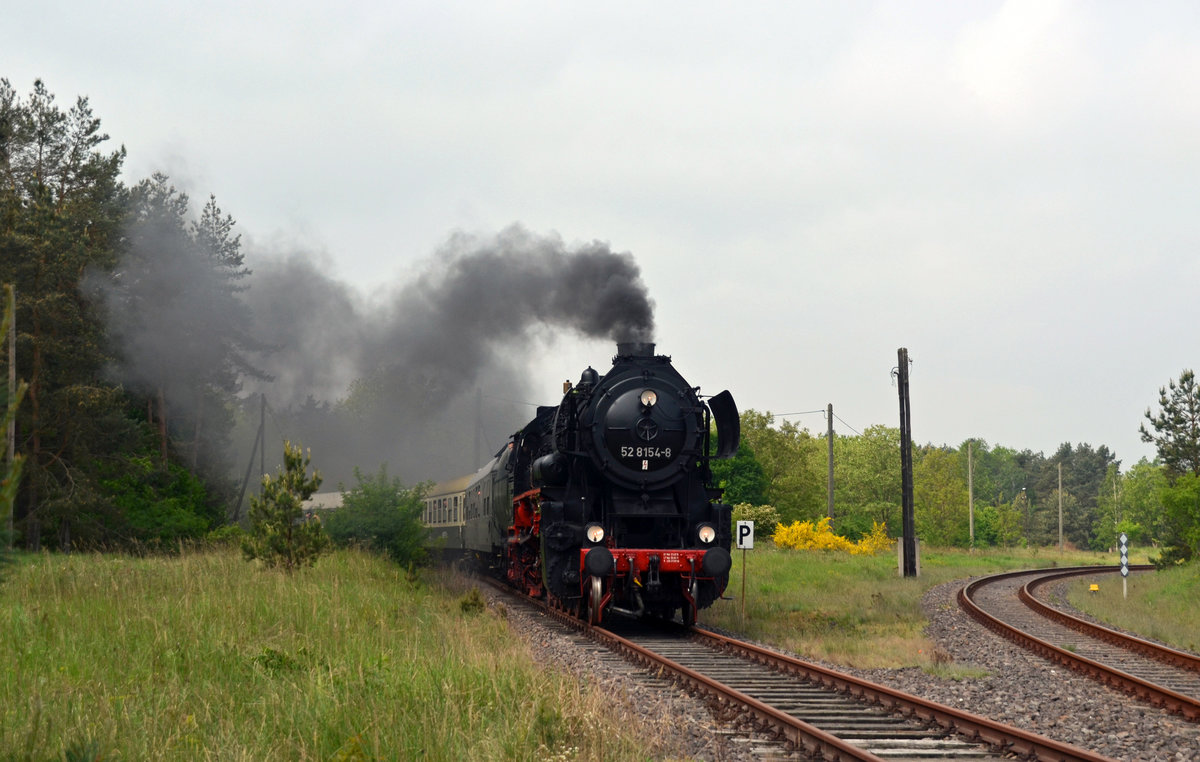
(408, 367)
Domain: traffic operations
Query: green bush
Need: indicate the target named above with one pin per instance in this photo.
(381, 515)
(227, 535)
(765, 518)
(159, 506)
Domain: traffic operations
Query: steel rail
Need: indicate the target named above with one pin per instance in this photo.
(1144, 690)
(811, 739)
(972, 726)
(1175, 658)
(802, 735)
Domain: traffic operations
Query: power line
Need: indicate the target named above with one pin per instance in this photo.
(813, 412)
(835, 415)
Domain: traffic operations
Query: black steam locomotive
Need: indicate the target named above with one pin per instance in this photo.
(605, 503)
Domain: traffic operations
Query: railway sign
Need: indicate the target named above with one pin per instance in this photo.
(1123, 541)
(745, 540)
(745, 535)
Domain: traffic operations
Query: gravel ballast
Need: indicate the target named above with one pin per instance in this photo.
(1016, 688)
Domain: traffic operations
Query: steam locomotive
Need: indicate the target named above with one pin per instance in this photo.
(605, 504)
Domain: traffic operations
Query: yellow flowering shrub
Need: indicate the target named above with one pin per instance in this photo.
(810, 535)
(875, 542)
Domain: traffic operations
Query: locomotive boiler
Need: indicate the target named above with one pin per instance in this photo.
(605, 503)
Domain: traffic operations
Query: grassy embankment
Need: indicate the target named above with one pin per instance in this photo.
(205, 657)
(1161, 605)
(857, 610)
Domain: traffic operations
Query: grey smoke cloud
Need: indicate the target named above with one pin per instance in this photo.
(442, 356)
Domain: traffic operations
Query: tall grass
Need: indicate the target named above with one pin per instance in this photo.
(856, 610)
(206, 657)
(1160, 605)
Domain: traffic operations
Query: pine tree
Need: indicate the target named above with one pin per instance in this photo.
(280, 534)
(1177, 425)
(60, 207)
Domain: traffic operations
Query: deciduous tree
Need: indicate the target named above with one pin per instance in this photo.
(792, 462)
(742, 477)
(867, 486)
(940, 498)
(380, 513)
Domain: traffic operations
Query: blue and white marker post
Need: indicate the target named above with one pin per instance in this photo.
(745, 541)
(1124, 546)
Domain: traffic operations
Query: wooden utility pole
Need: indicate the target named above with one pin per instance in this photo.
(971, 494)
(910, 531)
(1060, 535)
(260, 444)
(262, 435)
(829, 417)
(12, 392)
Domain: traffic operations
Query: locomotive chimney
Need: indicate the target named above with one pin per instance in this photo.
(635, 348)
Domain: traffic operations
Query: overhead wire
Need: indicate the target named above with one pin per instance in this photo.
(813, 412)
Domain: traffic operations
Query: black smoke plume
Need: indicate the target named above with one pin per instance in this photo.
(419, 378)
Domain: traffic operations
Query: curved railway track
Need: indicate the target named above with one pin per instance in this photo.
(1007, 604)
(820, 712)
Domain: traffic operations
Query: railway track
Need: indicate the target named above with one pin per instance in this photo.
(814, 711)
(1008, 605)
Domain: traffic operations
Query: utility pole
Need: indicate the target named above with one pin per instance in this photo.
(910, 531)
(1060, 536)
(260, 444)
(829, 418)
(262, 438)
(12, 392)
(971, 494)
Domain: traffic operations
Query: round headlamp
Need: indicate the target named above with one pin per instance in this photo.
(706, 533)
(594, 533)
(649, 397)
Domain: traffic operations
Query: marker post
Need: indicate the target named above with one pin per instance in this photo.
(745, 541)
(1124, 546)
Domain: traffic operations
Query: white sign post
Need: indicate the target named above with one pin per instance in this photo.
(745, 534)
(1124, 546)
(745, 540)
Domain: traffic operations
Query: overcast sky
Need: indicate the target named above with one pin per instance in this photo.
(1007, 189)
